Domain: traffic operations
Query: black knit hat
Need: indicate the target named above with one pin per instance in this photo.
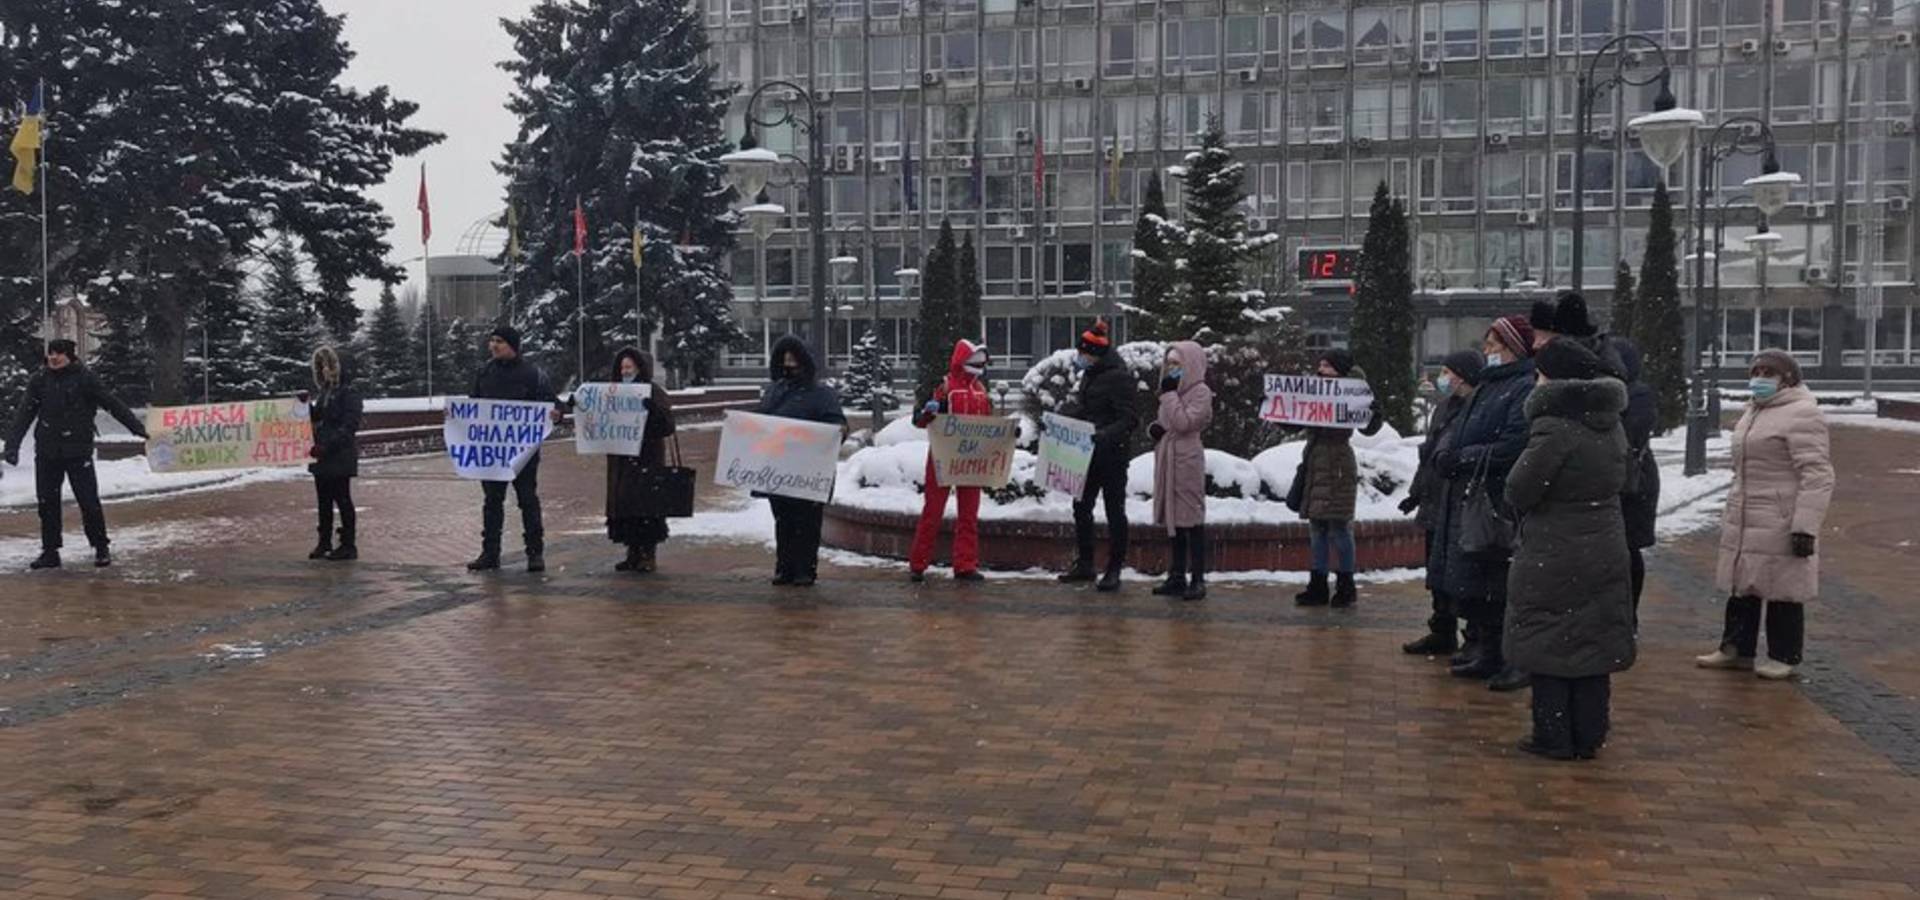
(1466, 364)
(509, 334)
(1570, 316)
(1340, 360)
(64, 347)
(1563, 359)
(1541, 318)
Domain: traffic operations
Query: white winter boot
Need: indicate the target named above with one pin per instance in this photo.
(1723, 659)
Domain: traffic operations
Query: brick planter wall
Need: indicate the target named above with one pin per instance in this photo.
(1024, 545)
(1904, 410)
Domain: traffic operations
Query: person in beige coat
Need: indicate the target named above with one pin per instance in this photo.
(1180, 468)
(1769, 546)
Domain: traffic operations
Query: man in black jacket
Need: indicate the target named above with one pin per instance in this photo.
(1110, 399)
(509, 377)
(64, 399)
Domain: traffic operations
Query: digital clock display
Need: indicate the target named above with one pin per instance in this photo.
(1328, 263)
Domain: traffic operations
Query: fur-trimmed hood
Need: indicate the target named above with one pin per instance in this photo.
(1593, 402)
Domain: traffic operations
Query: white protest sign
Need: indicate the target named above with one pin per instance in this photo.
(1066, 452)
(772, 455)
(1318, 402)
(609, 419)
(972, 451)
(492, 440)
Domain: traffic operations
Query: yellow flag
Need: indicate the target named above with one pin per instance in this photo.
(26, 142)
(639, 244)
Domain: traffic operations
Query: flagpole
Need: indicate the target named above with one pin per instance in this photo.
(580, 314)
(426, 307)
(636, 278)
(46, 226)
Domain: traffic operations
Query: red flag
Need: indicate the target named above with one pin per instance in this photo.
(1039, 175)
(426, 210)
(579, 229)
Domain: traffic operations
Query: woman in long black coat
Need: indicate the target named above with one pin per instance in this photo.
(335, 413)
(1570, 591)
(629, 521)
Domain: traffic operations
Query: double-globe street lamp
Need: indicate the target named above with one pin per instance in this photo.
(1745, 136)
(751, 167)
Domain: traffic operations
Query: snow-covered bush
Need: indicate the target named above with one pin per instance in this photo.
(1227, 476)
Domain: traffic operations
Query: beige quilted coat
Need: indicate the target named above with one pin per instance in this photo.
(1782, 483)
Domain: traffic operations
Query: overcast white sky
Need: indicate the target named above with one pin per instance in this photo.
(441, 54)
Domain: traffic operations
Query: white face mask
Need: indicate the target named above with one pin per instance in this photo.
(1496, 359)
(975, 371)
(1443, 384)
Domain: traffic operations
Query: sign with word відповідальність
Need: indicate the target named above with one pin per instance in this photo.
(972, 451)
(1318, 402)
(778, 456)
(493, 440)
(247, 434)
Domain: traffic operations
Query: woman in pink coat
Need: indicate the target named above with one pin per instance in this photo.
(1180, 468)
(1769, 548)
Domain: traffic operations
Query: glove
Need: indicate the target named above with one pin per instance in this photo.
(313, 453)
(931, 409)
(1156, 431)
(303, 396)
(1446, 461)
(13, 456)
(646, 403)
(1169, 385)
(1803, 545)
(1409, 505)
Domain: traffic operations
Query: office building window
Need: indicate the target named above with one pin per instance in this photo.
(1382, 34)
(1584, 25)
(1319, 115)
(1243, 43)
(1515, 181)
(1319, 39)
(1372, 110)
(1598, 182)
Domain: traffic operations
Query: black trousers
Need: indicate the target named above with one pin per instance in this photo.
(493, 515)
(1189, 553)
(331, 493)
(1107, 482)
(1572, 713)
(1442, 620)
(1487, 615)
(78, 472)
(1786, 628)
(1637, 561)
(796, 536)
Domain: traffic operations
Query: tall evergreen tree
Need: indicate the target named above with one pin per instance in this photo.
(869, 376)
(385, 367)
(458, 354)
(938, 302)
(290, 326)
(1383, 316)
(229, 327)
(966, 320)
(198, 130)
(1154, 311)
(122, 361)
(1216, 233)
(340, 314)
(1625, 302)
(620, 112)
(1660, 326)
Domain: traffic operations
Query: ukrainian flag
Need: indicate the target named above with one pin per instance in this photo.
(26, 141)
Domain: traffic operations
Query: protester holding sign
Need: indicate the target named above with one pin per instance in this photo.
(629, 521)
(61, 403)
(1180, 468)
(508, 376)
(1328, 485)
(796, 393)
(335, 414)
(1108, 398)
(961, 394)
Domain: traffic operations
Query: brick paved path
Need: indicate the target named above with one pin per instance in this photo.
(267, 727)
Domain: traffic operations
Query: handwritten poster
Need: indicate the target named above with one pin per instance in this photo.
(609, 419)
(493, 440)
(972, 451)
(1066, 450)
(244, 435)
(784, 457)
(1316, 401)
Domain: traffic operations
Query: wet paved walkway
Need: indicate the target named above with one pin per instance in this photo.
(220, 718)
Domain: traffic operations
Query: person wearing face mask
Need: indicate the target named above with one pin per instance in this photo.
(1330, 489)
(1769, 545)
(1492, 432)
(1432, 497)
(961, 393)
(629, 522)
(1109, 398)
(796, 393)
(1180, 468)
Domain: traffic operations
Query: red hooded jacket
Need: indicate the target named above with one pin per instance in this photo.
(960, 394)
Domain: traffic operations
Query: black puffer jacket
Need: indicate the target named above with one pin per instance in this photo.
(336, 417)
(65, 402)
(1430, 487)
(1641, 501)
(804, 397)
(1493, 429)
(512, 379)
(1110, 399)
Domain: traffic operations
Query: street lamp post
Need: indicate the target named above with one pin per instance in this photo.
(1741, 135)
(1663, 132)
(750, 167)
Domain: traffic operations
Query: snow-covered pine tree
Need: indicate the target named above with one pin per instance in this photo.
(290, 327)
(340, 314)
(1154, 312)
(122, 359)
(1383, 317)
(1660, 324)
(966, 319)
(938, 323)
(1625, 303)
(1216, 238)
(619, 111)
(869, 376)
(457, 355)
(197, 129)
(385, 367)
(233, 323)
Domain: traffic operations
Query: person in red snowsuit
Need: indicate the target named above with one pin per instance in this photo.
(961, 394)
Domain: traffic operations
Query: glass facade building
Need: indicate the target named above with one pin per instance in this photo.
(1033, 124)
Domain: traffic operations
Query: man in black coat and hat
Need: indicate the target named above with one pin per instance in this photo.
(508, 376)
(1109, 398)
(61, 404)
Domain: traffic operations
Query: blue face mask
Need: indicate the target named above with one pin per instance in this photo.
(1763, 388)
(1080, 362)
(628, 379)
(1175, 373)
(1443, 384)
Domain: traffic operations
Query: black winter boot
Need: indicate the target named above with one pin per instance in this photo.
(1081, 570)
(487, 561)
(102, 557)
(1431, 645)
(324, 547)
(1110, 581)
(1344, 592)
(49, 559)
(1174, 586)
(346, 552)
(1316, 592)
(1196, 588)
